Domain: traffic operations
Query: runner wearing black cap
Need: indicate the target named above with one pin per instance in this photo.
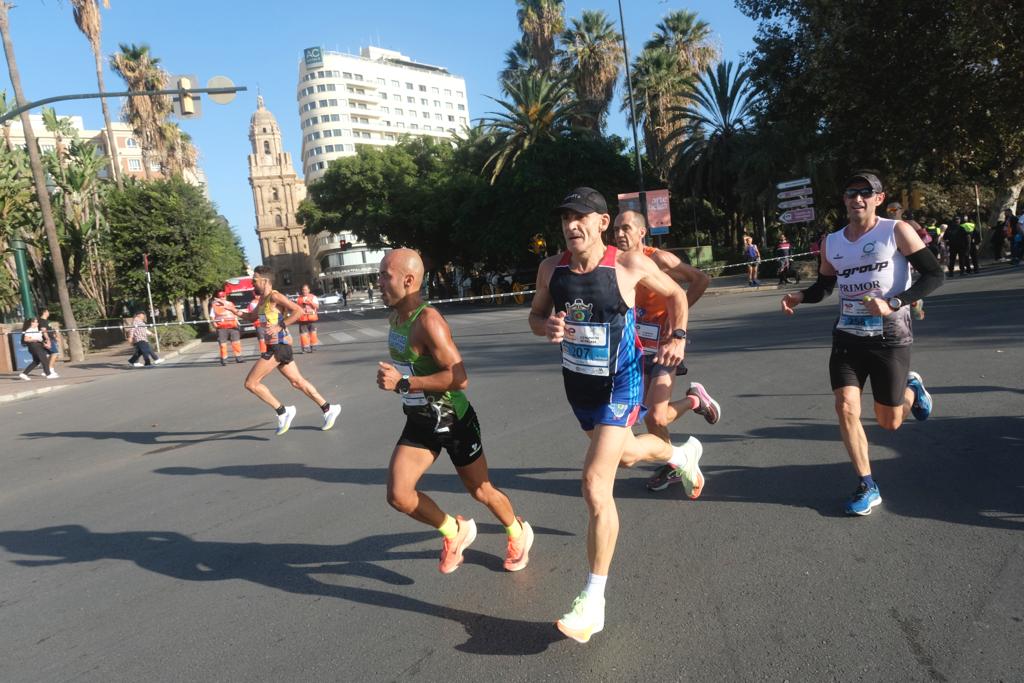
(870, 260)
(584, 302)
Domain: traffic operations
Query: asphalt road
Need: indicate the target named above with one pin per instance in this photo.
(152, 528)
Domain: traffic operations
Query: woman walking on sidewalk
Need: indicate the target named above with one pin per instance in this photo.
(37, 342)
(138, 335)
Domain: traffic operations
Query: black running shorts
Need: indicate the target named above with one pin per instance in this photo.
(282, 353)
(461, 440)
(850, 366)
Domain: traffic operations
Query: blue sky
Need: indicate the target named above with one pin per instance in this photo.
(261, 46)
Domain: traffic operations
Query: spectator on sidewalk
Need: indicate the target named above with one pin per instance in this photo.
(138, 335)
(54, 347)
(37, 342)
(753, 257)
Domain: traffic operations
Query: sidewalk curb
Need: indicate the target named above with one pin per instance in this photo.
(10, 398)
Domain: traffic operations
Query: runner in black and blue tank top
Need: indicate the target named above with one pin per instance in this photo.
(584, 302)
(602, 359)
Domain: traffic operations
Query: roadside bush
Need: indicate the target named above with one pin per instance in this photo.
(176, 335)
(87, 314)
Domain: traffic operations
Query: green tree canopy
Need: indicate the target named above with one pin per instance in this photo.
(191, 249)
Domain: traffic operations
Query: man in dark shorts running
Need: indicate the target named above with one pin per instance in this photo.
(652, 326)
(870, 259)
(276, 312)
(426, 370)
(584, 302)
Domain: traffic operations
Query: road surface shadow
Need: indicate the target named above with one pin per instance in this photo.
(288, 567)
(166, 440)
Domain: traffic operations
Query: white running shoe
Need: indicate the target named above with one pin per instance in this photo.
(285, 421)
(158, 361)
(330, 416)
(584, 620)
(53, 375)
(22, 375)
(138, 365)
(691, 476)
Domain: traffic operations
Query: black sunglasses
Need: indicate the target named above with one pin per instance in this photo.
(863, 192)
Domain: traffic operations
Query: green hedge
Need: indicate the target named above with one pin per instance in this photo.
(176, 335)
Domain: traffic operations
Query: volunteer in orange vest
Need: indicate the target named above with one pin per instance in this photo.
(261, 342)
(225, 319)
(307, 321)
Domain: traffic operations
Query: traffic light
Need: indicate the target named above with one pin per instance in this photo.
(538, 245)
(186, 103)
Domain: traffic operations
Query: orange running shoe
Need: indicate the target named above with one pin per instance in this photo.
(451, 551)
(518, 554)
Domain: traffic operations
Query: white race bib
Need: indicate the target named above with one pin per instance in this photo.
(854, 318)
(650, 337)
(586, 349)
(413, 398)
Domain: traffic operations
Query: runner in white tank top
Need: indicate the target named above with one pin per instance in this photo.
(870, 260)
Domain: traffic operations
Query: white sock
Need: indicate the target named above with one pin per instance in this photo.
(680, 456)
(595, 585)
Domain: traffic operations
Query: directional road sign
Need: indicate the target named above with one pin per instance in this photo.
(799, 201)
(793, 183)
(798, 215)
(799, 192)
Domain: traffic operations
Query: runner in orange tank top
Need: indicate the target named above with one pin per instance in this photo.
(630, 228)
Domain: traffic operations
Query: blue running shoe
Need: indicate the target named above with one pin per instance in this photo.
(922, 406)
(863, 500)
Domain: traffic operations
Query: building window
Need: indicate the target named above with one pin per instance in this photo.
(264, 129)
(448, 105)
(134, 165)
(266, 146)
(434, 90)
(448, 92)
(437, 103)
(426, 114)
(399, 124)
(274, 196)
(130, 142)
(414, 126)
(382, 81)
(462, 107)
(320, 165)
(335, 117)
(318, 151)
(386, 110)
(427, 128)
(321, 88)
(279, 223)
(327, 133)
(323, 103)
(423, 88)
(424, 101)
(334, 103)
(410, 100)
(437, 117)
(359, 77)
(346, 74)
(462, 119)
(400, 112)
(396, 97)
(395, 84)
(451, 118)
(458, 93)
(408, 86)
(329, 148)
(331, 87)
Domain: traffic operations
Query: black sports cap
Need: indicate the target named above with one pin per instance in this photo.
(870, 178)
(584, 200)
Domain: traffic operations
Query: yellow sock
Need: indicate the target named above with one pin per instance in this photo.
(514, 531)
(449, 527)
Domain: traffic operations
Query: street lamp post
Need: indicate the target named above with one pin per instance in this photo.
(632, 115)
(21, 264)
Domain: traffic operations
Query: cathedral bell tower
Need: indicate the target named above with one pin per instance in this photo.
(276, 193)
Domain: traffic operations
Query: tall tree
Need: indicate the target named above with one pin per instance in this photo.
(716, 126)
(657, 84)
(541, 21)
(146, 114)
(539, 107)
(875, 80)
(518, 61)
(684, 35)
(179, 155)
(19, 217)
(89, 22)
(591, 60)
(39, 179)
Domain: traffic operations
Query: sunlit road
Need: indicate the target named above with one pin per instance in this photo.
(152, 528)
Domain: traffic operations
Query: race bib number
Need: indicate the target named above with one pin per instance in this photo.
(650, 337)
(586, 349)
(413, 398)
(854, 318)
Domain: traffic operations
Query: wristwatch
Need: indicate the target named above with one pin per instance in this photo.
(679, 334)
(894, 303)
(403, 386)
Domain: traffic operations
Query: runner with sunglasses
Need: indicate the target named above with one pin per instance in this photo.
(870, 260)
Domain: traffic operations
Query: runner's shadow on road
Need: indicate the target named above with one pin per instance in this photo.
(289, 567)
(156, 438)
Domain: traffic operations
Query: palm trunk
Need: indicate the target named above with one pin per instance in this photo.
(74, 340)
(115, 164)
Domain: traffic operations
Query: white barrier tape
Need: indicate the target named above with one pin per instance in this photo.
(381, 307)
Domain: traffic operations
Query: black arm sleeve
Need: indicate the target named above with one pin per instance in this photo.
(821, 288)
(928, 266)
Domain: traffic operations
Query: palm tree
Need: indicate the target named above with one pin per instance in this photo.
(39, 179)
(717, 128)
(591, 59)
(6, 106)
(657, 84)
(539, 107)
(61, 127)
(180, 155)
(541, 21)
(686, 37)
(146, 114)
(518, 60)
(87, 17)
